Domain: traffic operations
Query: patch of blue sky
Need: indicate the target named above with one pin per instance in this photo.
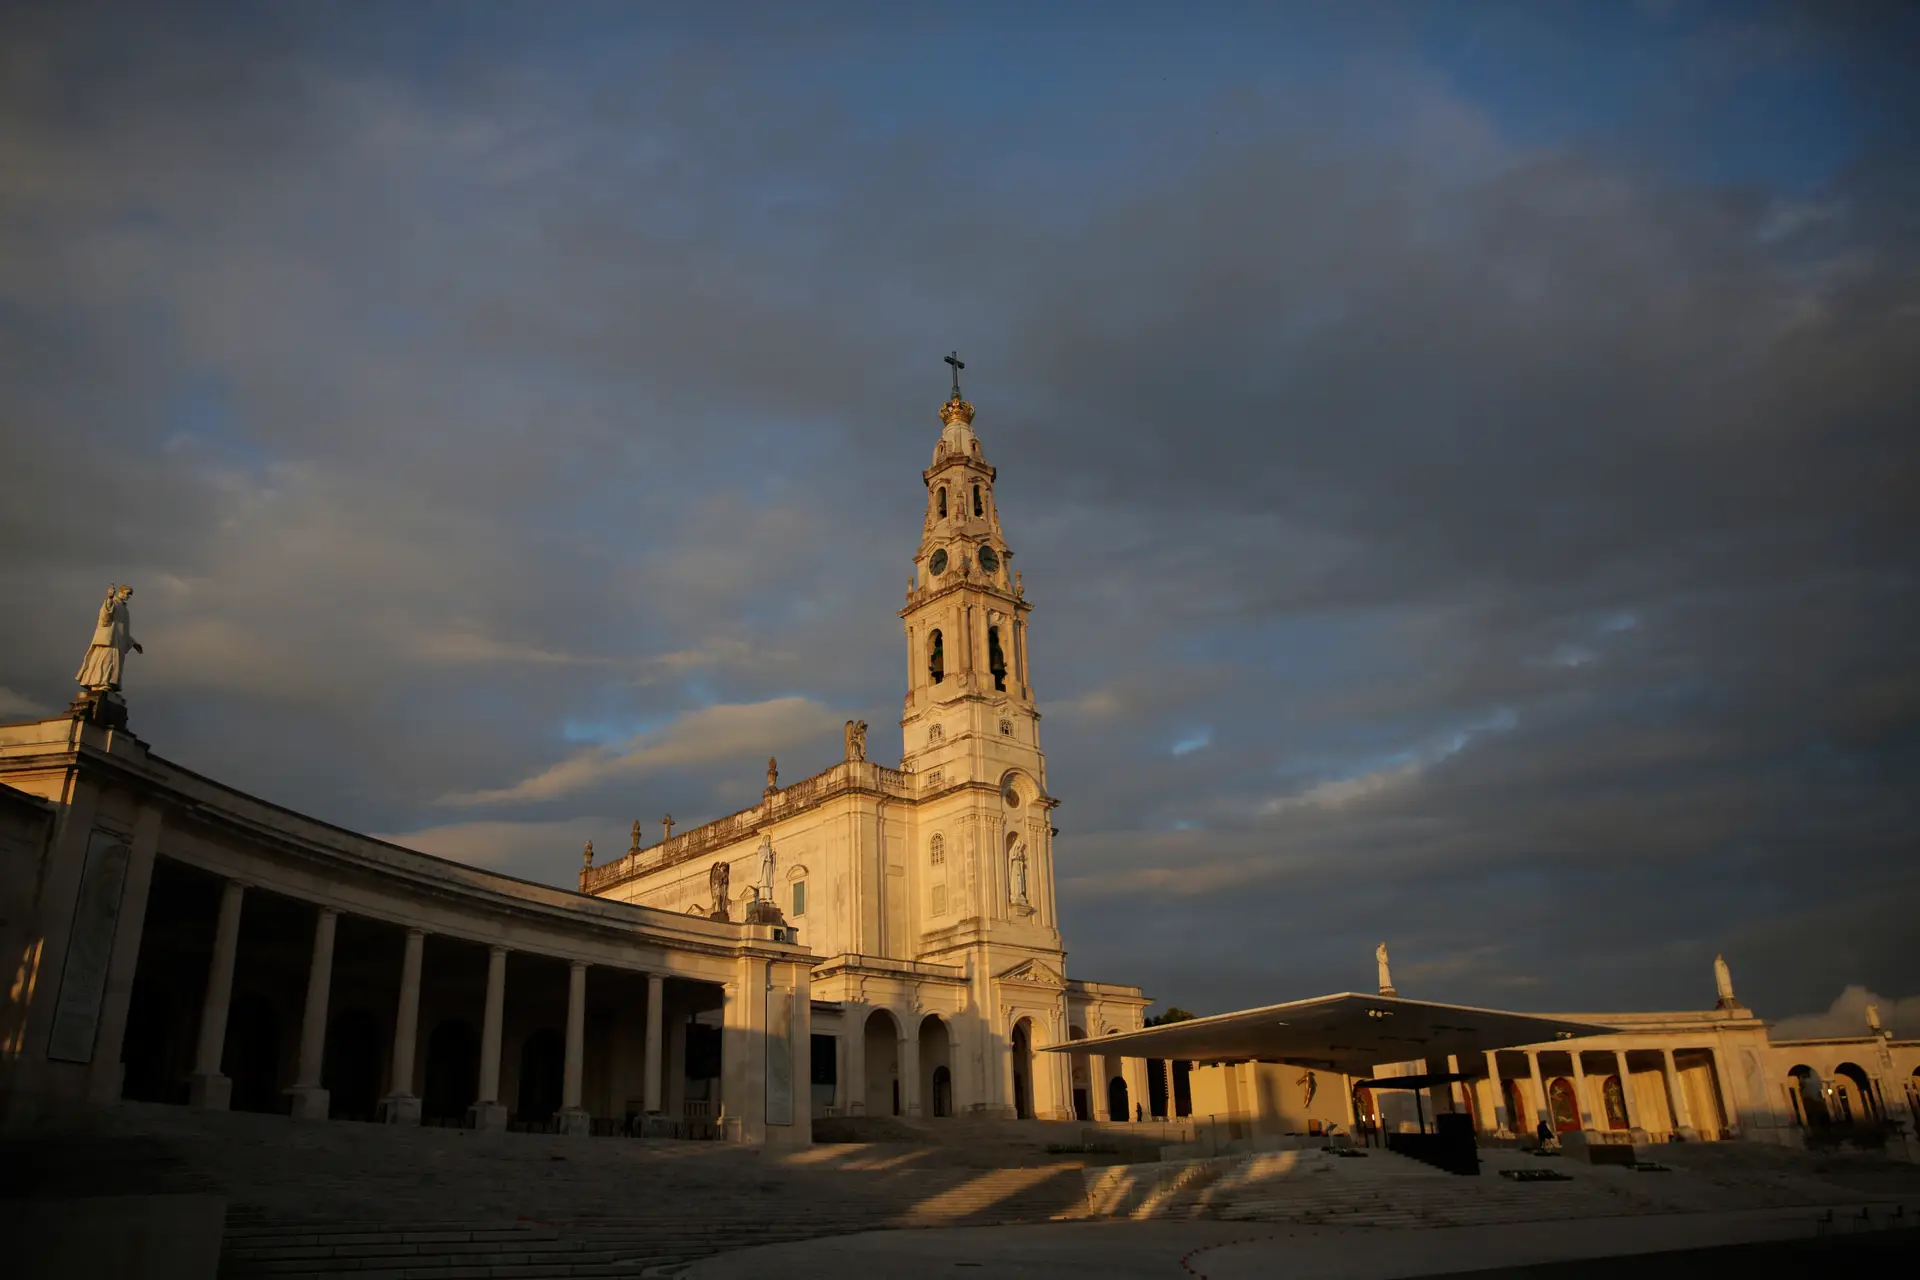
(200, 416)
(608, 731)
(1193, 742)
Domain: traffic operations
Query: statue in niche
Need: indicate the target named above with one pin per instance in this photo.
(1386, 978)
(717, 880)
(106, 659)
(856, 739)
(1017, 869)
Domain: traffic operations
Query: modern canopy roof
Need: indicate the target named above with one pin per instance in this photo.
(1347, 1033)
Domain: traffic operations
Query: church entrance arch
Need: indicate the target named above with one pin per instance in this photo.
(453, 1071)
(936, 1052)
(882, 1047)
(1563, 1106)
(543, 1063)
(1117, 1105)
(1022, 1046)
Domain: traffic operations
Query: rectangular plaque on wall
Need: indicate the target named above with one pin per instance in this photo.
(779, 1057)
(83, 980)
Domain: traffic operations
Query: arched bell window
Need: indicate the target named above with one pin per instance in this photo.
(936, 657)
(940, 502)
(979, 508)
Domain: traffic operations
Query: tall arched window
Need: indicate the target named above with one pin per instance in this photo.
(937, 860)
(996, 659)
(979, 508)
(936, 657)
(940, 502)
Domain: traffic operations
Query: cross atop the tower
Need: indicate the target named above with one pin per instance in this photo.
(953, 358)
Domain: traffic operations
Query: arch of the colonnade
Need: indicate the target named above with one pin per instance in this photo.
(936, 1067)
(1853, 1100)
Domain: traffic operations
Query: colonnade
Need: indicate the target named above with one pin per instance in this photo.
(1679, 1120)
(210, 1089)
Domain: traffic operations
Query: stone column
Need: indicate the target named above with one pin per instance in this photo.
(108, 1073)
(854, 1085)
(1582, 1103)
(1626, 1096)
(1677, 1100)
(656, 1009)
(909, 1057)
(400, 1104)
(1134, 1070)
(574, 1119)
(309, 1097)
(207, 1087)
(488, 1113)
(1544, 1108)
(1501, 1120)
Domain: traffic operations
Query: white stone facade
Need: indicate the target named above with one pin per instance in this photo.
(928, 890)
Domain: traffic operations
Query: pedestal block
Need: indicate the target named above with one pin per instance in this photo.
(209, 1092)
(487, 1117)
(400, 1109)
(576, 1122)
(309, 1103)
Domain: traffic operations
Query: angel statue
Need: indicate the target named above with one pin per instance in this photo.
(112, 636)
(717, 878)
(856, 739)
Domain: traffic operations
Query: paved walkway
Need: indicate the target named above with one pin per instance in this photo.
(1160, 1250)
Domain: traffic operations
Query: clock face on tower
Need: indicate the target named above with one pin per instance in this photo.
(939, 562)
(989, 560)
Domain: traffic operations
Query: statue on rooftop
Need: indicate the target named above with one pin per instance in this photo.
(106, 656)
(717, 878)
(856, 739)
(773, 775)
(765, 883)
(1386, 978)
(1723, 981)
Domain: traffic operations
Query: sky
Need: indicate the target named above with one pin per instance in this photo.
(1462, 457)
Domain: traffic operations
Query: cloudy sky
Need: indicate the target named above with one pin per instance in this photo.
(1464, 458)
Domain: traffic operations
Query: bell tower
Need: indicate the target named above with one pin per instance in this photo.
(966, 612)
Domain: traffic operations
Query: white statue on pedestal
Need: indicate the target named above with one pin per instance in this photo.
(1018, 873)
(1723, 979)
(765, 885)
(106, 657)
(1386, 979)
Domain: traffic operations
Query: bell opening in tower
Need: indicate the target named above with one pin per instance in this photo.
(940, 502)
(936, 658)
(978, 508)
(996, 659)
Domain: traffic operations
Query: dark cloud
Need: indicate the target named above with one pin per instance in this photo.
(1494, 544)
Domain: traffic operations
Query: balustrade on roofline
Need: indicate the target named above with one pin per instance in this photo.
(848, 775)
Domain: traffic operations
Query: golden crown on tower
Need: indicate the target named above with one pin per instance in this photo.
(956, 409)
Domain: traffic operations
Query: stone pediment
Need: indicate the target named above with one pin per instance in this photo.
(1034, 973)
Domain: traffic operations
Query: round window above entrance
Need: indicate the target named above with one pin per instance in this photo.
(1010, 793)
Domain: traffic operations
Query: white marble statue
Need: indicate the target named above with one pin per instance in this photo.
(106, 657)
(1018, 869)
(1723, 979)
(1386, 979)
(766, 866)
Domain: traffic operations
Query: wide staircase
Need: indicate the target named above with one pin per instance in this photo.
(1381, 1189)
(370, 1201)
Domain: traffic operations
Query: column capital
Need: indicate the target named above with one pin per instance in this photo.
(415, 931)
(578, 965)
(498, 950)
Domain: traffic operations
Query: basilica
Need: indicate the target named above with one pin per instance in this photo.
(868, 941)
